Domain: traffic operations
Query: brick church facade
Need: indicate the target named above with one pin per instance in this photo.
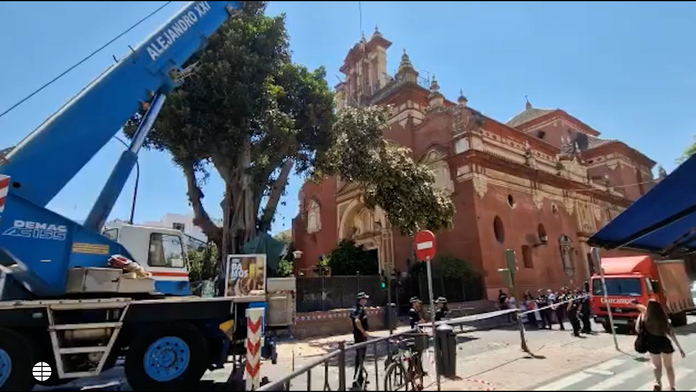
(540, 183)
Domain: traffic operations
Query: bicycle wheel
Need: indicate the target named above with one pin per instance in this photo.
(395, 377)
(415, 373)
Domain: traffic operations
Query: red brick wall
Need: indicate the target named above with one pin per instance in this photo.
(332, 322)
(521, 228)
(322, 242)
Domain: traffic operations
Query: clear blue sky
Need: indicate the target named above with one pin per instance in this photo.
(626, 69)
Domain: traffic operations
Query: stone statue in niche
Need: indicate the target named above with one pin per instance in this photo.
(313, 217)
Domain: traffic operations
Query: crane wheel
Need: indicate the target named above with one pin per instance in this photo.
(16, 361)
(166, 357)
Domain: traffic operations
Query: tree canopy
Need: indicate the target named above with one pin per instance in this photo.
(349, 259)
(404, 189)
(691, 150)
(252, 114)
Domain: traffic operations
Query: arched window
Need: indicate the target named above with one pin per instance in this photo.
(499, 229)
(313, 217)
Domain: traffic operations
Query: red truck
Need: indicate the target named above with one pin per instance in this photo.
(640, 278)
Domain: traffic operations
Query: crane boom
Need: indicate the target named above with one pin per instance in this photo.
(39, 166)
(38, 246)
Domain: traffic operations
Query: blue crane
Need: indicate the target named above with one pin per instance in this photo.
(38, 246)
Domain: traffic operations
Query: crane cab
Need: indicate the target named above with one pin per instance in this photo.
(159, 251)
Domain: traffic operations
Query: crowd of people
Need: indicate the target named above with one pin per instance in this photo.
(546, 308)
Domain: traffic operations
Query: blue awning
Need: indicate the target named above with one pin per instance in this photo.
(661, 221)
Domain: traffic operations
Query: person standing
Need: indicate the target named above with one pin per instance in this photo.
(542, 302)
(561, 307)
(585, 313)
(414, 314)
(528, 301)
(358, 318)
(657, 332)
(573, 309)
(442, 311)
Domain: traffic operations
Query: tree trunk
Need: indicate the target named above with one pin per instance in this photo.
(200, 215)
(274, 197)
(243, 217)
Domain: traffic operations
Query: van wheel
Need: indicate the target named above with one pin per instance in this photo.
(16, 361)
(166, 358)
(679, 319)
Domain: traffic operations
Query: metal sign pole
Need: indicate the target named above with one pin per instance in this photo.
(597, 262)
(432, 319)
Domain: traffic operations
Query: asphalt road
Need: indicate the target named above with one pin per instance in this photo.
(477, 351)
(631, 371)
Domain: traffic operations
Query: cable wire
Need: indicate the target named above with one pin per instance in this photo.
(83, 60)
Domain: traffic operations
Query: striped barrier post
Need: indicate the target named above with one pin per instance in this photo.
(254, 341)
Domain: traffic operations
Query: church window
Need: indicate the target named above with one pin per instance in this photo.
(498, 229)
(313, 217)
(527, 256)
(511, 201)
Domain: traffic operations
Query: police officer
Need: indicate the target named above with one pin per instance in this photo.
(541, 302)
(585, 313)
(414, 316)
(441, 312)
(358, 318)
(574, 308)
(560, 308)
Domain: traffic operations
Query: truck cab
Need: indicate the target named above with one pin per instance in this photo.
(160, 251)
(640, 278)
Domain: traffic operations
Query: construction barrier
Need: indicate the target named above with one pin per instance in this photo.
(254, 342)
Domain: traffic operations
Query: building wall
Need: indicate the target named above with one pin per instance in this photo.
(480, 163)
(314, 245)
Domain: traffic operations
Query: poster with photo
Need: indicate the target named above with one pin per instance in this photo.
(246, 275)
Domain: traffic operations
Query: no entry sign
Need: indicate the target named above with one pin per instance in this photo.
(425, 245)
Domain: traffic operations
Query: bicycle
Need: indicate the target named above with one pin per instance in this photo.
(407, 351)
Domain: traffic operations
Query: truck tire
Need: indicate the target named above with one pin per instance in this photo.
(607, 327)
(165, 357)
(16, 361)
(679, 319)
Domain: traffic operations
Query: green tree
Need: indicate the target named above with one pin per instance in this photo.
(249, 113)
(691, 150)
(447, 266)
(348, 259)
(450, 266)
(252, 115)
(386, 172)
(203, 263)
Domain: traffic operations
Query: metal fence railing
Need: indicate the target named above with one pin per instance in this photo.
(335, 364)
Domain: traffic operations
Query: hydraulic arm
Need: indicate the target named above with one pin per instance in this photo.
(38, 246)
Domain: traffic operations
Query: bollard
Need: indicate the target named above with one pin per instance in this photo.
(253, 342)
(446, 361)
(342, 366)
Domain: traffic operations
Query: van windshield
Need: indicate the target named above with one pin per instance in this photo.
(628, 287)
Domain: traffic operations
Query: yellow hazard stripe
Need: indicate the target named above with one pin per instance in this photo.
(93, 249)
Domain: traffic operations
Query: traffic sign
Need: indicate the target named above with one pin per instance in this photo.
(425, 245)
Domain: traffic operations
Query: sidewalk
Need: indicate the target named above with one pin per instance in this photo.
(511, 369)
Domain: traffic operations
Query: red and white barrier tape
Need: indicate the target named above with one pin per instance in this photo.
(552, 306)
(489, 386)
